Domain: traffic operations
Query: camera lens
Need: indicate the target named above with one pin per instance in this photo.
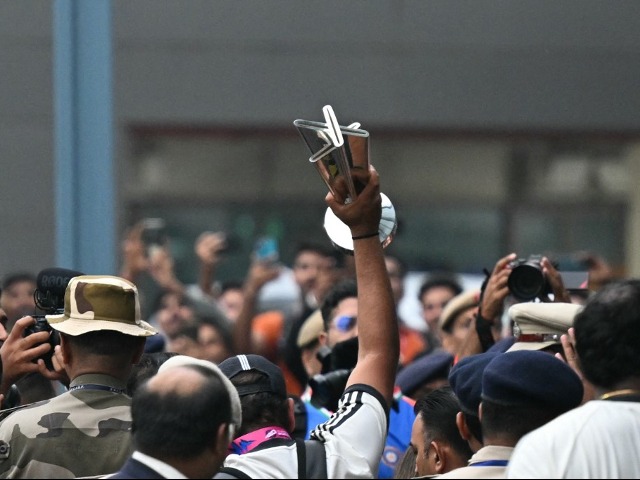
(526, 282)
(327, 389)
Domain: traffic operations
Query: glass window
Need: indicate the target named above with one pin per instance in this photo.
(462, 203)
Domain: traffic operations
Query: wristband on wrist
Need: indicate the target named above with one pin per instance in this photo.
(483, 328)
(368, 235)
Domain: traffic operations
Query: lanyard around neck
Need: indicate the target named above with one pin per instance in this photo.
(95, 386)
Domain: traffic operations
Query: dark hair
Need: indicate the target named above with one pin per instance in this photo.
(607, 333)
(440, 280)
(146, 368)
(260, 409)
(224, 331)
(511, 423)
(322, 250)
(105, 342)
(438, 410)
(318, 248)
(180, 425)
(473, 424)
(189, 330)
(231, 285)
(18, 277)
(341, 290)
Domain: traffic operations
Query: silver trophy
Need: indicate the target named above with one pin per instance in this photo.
(335, 151)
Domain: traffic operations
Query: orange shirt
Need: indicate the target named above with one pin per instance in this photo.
(412, 344)
(267, 330)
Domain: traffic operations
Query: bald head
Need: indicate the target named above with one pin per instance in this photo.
(177, 413)
(182, 381)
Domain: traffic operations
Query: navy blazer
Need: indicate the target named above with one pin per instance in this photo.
(135, 469)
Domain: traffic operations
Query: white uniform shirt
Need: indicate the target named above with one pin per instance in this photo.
(600, 439)
(354, 439)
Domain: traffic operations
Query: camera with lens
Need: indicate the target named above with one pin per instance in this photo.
(527, 281)
(49, 299)
(337, 363)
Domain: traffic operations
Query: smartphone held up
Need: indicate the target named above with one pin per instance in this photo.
(266, 250)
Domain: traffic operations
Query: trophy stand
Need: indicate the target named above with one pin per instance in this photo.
(335, 151)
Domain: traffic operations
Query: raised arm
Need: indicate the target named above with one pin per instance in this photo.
(481, 334)
(208, 248)
(260, 272)
(378, 344)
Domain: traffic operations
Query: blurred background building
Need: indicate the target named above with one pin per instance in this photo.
(497, 126)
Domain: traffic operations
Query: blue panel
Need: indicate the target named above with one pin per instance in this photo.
(65, 141)
(85, 218)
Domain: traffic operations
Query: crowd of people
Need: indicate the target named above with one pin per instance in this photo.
(143, 376)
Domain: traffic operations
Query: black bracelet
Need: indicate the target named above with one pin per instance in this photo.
(368, 235)
(483, 328)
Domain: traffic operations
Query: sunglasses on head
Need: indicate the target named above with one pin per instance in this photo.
(345, 323)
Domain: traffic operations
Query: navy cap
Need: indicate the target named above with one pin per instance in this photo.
(503, 344)
(273, 383)
(424, 369)
(531, 378)
(465, 379)
(154, 344)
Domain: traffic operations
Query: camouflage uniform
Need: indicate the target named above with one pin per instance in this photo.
(83, 432)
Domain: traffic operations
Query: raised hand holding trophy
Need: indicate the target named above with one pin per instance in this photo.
(335, 151)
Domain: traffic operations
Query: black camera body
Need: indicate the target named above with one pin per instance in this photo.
(51, 285)
(42, 325)
(526, 280)
(337, 363)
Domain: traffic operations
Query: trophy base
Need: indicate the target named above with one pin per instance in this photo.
(340, 234)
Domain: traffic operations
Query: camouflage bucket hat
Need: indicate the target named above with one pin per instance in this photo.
(101, 302)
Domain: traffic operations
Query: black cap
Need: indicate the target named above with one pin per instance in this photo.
(273, 383)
